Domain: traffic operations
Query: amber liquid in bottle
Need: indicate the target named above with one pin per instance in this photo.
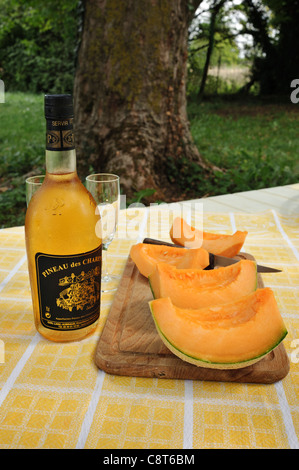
(63, 252)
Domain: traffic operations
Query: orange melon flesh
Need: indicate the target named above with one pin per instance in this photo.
(146, 256)
(230, 336)
(184, 234)
(195, 288)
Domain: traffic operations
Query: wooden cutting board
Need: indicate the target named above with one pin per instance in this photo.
(130, 345)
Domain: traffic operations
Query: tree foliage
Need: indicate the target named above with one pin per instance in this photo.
(274, 27)
(270, 29)
(38, 44)
(211, 44)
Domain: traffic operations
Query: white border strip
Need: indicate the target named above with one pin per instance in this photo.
(287, 417)
(232, 221)
(283, 402)
(188, 415)
(284, 235)
(12, 272)
(88, 419)
(18, 368)
(87, 422)
(188, 407)
(30, 348)
(284, 405)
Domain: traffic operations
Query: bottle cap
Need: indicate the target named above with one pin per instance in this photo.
(59, 106)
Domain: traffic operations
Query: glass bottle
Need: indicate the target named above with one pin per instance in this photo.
(63, 250)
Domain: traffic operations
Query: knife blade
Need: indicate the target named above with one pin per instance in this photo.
(215, 260)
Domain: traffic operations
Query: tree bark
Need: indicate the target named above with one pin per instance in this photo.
(129, 92)
(216, 7)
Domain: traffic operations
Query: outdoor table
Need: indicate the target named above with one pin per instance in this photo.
(52, 395)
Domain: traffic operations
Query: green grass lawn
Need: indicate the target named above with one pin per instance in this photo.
(22, 152)
(255, 144)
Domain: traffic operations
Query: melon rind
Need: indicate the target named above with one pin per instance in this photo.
(200, 362)
(213, 365)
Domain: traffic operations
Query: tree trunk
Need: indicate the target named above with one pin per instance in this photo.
(216, 7)
(129, 93)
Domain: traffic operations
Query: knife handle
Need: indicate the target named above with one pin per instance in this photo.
(152, 241)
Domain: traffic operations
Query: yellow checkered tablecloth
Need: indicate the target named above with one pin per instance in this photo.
(53, 396)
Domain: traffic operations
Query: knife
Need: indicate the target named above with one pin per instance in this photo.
(215, 260)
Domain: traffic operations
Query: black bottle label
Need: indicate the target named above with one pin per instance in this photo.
(60, 134)
(69, 289)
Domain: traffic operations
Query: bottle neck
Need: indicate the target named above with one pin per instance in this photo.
(60, 146)
(61, 162)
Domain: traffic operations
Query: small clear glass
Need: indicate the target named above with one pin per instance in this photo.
(33, 183)
(105, 190)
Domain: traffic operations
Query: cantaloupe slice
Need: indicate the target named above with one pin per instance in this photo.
(196, 288)
(228, 336)
(184, 234)
(147, 256)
